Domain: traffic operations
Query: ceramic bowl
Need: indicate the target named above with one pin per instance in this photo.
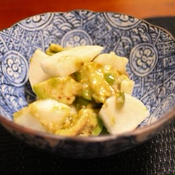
(151, 53)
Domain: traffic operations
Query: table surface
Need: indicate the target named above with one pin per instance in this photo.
(12, 11)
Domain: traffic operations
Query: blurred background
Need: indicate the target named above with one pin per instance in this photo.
(12, 11)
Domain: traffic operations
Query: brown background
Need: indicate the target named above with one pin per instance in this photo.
(12, 11)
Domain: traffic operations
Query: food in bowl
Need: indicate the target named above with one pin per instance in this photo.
(80, 92)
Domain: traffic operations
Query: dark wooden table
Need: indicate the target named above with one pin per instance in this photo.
(12, 11)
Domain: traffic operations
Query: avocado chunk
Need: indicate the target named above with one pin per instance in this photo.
(85, 123)
(94, 84)
(62, 89)
(53, 49)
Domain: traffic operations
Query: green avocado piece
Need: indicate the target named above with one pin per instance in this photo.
(54, 48)
(94, 84)
(62, 89)
(93, 125)
(98, 129)
(84, 123)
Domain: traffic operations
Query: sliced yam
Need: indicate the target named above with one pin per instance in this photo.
(69, 61)
(36, 73)
(117, 62)
(50, 113)
(127, 118)
(44, 115)
(127, 86)
(23, 117)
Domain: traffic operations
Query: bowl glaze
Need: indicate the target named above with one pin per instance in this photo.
(151, 53)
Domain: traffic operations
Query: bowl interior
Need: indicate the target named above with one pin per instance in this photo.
(150, 50)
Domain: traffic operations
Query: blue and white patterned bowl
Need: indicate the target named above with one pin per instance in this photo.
(151, 53)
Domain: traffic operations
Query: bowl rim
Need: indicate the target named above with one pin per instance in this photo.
(136, 132)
